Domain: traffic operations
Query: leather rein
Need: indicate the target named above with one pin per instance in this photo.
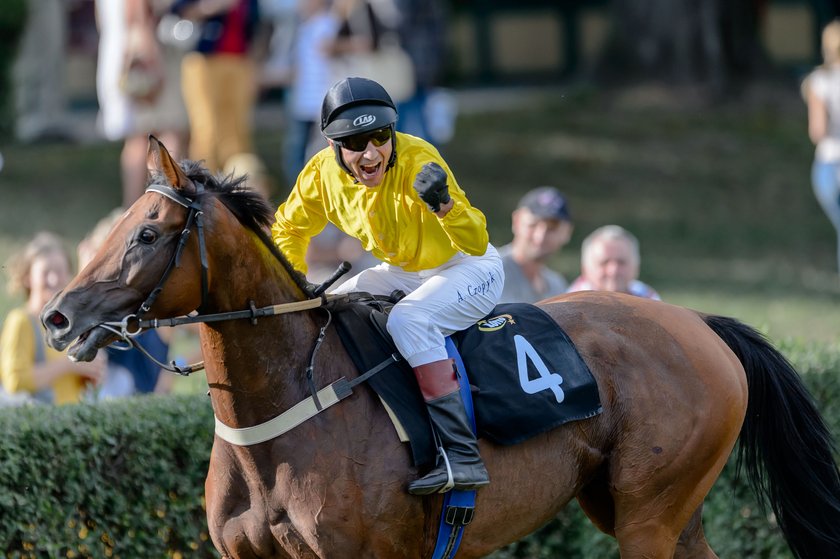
(133, 324)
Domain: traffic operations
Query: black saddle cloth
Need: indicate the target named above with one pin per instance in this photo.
(525, 374)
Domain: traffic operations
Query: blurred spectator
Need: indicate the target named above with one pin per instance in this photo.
(253, 167)
(822, 92)
(367, 44)
(27, 364)
(128, 371)
(542, 225)
(359, 27)
(311, 77)
(610, 261)
(138, 85)
(219, 78)
(281, 17)
(422, 30)
(40, 101)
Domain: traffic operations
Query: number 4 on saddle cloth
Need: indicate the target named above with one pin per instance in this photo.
(525, 375)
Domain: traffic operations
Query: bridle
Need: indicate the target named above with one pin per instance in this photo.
(318, 401)
(133, 324)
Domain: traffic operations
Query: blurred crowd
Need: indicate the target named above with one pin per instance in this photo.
(191, 72)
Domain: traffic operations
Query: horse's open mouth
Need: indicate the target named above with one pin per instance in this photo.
(86, 345)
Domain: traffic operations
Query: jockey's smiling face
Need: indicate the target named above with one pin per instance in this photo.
(367, 155)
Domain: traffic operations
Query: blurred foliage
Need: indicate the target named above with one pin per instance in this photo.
(12, 20)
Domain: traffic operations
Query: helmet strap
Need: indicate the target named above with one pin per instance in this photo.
(393, 159)
(341, 163)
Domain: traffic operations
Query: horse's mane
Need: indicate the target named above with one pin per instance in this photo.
(249, 207)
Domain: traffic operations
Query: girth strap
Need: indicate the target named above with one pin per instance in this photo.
(458, 506)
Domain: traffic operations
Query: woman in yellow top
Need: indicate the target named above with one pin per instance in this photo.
(396, 195)
(27, 364)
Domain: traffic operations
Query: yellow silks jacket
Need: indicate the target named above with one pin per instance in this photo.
(390, 220)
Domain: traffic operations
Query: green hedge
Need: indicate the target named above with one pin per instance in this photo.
(126, 479)
(122, 479)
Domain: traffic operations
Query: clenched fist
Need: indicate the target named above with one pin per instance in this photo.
(430, 184)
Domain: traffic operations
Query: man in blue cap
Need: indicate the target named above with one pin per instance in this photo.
(542, 225)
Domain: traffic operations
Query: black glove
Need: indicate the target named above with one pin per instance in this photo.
(430, 184)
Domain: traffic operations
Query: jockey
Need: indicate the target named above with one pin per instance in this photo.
(396, 194)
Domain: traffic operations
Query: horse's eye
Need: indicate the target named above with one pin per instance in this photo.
(147, 236)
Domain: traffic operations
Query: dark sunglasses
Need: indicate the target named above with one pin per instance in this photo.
(359, 142)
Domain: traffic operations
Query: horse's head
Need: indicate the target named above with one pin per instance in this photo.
(153, 262)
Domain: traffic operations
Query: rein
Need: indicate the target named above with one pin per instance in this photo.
(132, 325)
(127, 335)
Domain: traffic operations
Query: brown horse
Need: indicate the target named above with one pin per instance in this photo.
(677, 388)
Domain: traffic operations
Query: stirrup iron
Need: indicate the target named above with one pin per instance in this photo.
(450, 479)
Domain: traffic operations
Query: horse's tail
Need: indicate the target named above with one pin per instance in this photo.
(784, 432)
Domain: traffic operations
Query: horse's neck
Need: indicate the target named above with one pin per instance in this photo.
(253, 370)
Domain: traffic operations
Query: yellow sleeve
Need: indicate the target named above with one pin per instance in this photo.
(17, 353)
(467, 228)
(465, 225)
(301, 216)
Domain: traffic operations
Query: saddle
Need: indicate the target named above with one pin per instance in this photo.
(526, 376)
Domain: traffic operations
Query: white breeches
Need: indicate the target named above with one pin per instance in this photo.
(438, 302)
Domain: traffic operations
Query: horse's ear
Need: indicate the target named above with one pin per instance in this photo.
(159, 159)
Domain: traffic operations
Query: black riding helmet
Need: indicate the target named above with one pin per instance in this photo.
(356, 105)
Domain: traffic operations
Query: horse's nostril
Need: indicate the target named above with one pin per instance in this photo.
(57, 319)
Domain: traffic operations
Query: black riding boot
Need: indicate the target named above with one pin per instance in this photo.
(449, 418)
